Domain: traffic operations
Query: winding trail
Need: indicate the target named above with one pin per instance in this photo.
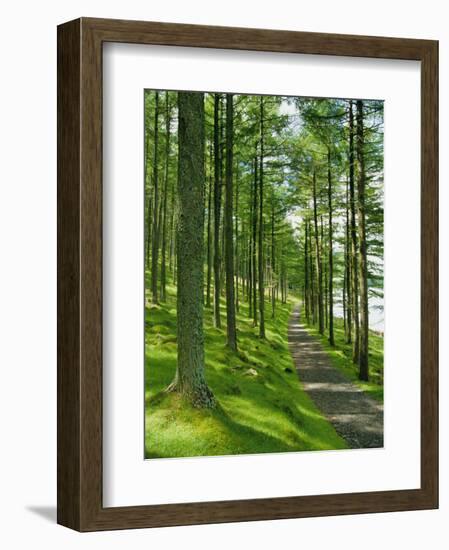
(355, 416)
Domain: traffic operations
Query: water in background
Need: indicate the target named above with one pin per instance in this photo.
(376, 313)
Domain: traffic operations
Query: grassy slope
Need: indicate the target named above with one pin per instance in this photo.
(341, 356)
(262, 407)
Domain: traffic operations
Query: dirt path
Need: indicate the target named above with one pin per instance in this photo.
(355, 416)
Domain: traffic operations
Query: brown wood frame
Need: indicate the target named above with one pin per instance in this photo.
(80, 274)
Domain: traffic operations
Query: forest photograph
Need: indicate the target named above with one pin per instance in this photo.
(263, 254)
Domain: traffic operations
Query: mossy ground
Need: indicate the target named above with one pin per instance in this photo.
(261, 405)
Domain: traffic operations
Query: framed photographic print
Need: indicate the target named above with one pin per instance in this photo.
(247, 288)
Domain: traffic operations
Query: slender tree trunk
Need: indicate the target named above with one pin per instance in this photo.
(244, 261)
(164, 199)
(237, 259)
(222, 245)
(313, 286)
(331, 251)
(172, 231)
(273, 259)
(173, 221)
(319, 273)
(222, 182)
(250, 252)
(306, 271)
(189, 378)
(354, 254)
(155, 243)
(149, 226)
(361, 183)
(348, 274)
(261, 250)
(217, 210)
(209, 239)
(255, 193)
(324, 271)
(345, 318)
(147, 194)
(229, 228)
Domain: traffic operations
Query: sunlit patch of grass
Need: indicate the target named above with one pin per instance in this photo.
(261, 405)
(341, 356)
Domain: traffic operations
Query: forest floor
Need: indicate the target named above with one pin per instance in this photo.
(261, 406)
(357, 417)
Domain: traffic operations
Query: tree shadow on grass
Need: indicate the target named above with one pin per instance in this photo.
(246, 440)
(261, 440)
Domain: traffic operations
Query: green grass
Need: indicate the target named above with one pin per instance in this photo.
(261, 405)
(341, 356)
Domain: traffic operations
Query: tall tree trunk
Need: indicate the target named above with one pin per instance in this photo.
(306, 271)
(209, 239)
(229, 228)
(261, 250)
(255, 213)
(237, 259)
(354, 254)
(173, 221)
(148, 193)
(217, 210)
(348, 274)
(331, 251)
(222, 182)
(313, 283)
(164, 199)
(172, 230)
(149, 226)
(345, 317)
(361, 183)
(273, 261)
(319, 273)
(155, 236)
(250, 252)
(324, 271)
(189, 378)
(244, 260)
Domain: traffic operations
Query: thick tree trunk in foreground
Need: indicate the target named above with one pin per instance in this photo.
(354, 255)
(155, 243)
(217, 211)
(189, 379)
(361, 182)
(261, 251)
(228, 220)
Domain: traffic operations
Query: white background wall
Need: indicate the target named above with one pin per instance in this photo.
(28, 272)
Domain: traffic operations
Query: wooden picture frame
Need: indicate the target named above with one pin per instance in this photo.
(80, 504)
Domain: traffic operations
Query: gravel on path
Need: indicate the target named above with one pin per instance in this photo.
(355, 416)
